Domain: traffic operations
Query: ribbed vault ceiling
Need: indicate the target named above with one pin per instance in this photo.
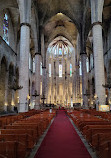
(76, 13)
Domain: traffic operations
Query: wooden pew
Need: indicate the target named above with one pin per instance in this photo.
(91, 132)
(2, 156)
(23, 138)
(8, 149)
(96, 129)
(41, 126)
(13, 149)
(26, 127)
(16, 129)
(99, 139)
(101, 122)
(105, 150)
(30, 132)
(87, 127)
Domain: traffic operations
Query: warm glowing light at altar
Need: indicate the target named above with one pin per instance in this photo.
(12, 103)
(104, 108)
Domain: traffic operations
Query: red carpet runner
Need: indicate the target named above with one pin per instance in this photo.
(62, 141)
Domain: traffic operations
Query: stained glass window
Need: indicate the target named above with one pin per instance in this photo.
(60, 70)
(65, 51)
(33, 65)
(87, 64)
(55, 51)
(80, 68)
(30, 61)
(49, 70)
(5, 29)
(70, 70)
(60, 51)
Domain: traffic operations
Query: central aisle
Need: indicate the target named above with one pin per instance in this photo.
(62, 141)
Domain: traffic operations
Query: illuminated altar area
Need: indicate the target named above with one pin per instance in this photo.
(61, 73)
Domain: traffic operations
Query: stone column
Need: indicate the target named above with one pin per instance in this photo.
(91, 92)
(25, 11)
(96, 18)
(52, 81)
(84, 79)
(74, 83)
(57, 80)
(43, 53)
(37, 80)
(78, 84)
(44, 82)
(81, 48)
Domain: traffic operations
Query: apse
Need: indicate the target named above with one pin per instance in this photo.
(60, 66)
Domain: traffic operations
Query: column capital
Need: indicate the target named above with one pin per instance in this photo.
(96, 23)
(25, 24)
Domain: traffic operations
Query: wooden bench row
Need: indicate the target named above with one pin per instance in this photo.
(96, 130)
(5, 120)
(12, 149)
(104, 115)
(22, 135)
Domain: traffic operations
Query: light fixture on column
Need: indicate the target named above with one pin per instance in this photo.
(107, 85)
(43, 98)
(35, 95)
(15, 86)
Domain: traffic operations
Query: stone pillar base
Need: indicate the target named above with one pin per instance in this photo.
(37, 107)
(23, 107)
